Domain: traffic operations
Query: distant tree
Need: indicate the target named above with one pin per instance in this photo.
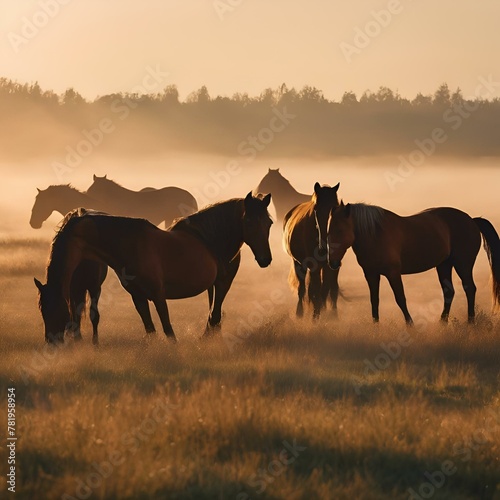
(442, 97)
(309, 93)
(200, 96)
(170, 95)
(349, 99)
(71, 97)
(422, 101)
(457, 99)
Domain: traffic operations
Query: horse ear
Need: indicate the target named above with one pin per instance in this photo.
(39, 190)
(95, 177)
(38, 284)
(268, 170)
(277, 170)
(267, 200)
(105, 177)
(317, 187)
(248, 198)
(347, 210)
(336, 188)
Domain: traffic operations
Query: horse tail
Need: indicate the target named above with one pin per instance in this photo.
(293, 281)
(491, 243)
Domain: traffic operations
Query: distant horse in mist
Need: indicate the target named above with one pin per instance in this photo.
(197, 253)
(157, 205)
(285, 196)
(58, 318)
(63, 198)
(390, 245)
(304, 239)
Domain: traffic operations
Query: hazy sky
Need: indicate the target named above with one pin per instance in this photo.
(103, 46)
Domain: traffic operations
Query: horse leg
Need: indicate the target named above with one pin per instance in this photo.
(333, 281)
(94, 313)
(142, 307)
(300, 273)
(399, 294)
(222, 284)
(444, 273)
(373, 281)
(465, 274)
(162, 309)
(314, 291)
(78, 302)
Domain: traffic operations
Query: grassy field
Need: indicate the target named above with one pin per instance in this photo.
(274, 408)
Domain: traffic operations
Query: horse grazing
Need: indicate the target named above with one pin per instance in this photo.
(192, 256)
(88, 277)
(304, 233)
(156, 205)
(61, 198)
(285, 196)
(390, 245)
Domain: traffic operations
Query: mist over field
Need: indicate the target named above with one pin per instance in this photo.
(398, 101)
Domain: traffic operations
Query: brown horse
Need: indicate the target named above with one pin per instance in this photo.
(197, 253)
(58, 319)
(304, 230)
(156, 205)
(390, 245)
(285, 196)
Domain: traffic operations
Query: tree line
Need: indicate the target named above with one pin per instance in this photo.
(36, 122)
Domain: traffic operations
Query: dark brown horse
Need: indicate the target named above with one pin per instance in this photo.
(156, 205)
(197, 253)
(390, 245)
(57, 317)
(304, 233)
(285, 196)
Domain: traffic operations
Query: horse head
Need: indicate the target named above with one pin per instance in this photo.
(54, 311)
(340, 234)
(256, 227)
(325, 199)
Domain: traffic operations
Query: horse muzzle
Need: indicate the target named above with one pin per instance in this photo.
(334, 264)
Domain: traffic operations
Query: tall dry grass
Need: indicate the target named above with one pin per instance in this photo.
(138, 419)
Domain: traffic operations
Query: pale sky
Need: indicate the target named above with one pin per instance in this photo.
(105, 46)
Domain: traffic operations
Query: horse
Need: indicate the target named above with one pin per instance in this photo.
(157, 205)
(60, 198)
(192, 256)
(304, 233)
(58, 318)
(285, 196)
(389, 245)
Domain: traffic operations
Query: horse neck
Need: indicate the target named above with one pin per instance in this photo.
(284, 197)
(68, 200)
(225, 235)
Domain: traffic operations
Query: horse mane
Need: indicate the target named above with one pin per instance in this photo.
(211, 223)
(58, 246)
(367, 218)
(63, 187)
